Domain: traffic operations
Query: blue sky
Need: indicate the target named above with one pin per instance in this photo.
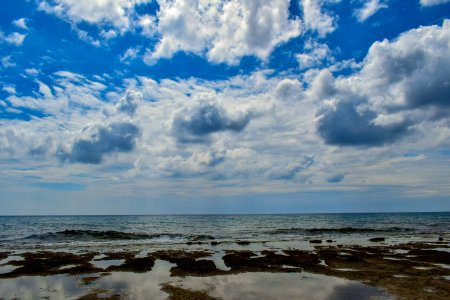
(195, 106)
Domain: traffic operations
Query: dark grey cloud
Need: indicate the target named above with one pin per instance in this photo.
(405, 79)
(116, 137)
(434, 90)
(416, 67)
(195, 125)
(343, 125)
(388, 64)
(336, 178)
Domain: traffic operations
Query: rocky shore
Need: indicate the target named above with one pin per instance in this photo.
(405, 271)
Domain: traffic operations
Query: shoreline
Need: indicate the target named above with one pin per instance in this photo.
(404, 271)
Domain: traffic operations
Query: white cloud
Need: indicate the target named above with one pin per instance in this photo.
(224, 31)
(130, 54)
(369, 8)
(15, 38)
(314, 55)
(315, 19)
(108, 34)
(432, 2)
(403, 87)
(10, 89)
(21, 23)
(115, 13)
(7, 61)
(32, 71)
(271, 131)
(289, 89)
(148, 25)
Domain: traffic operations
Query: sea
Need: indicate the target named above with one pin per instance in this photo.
(163, 231)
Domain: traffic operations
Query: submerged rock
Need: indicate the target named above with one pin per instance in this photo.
(315, 241)
(243, 243)
(377, 239)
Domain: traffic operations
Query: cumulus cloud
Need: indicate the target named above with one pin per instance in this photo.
(130, 54)
(344, 124)
(70, 91)
(7, 62)
(115, 13)
(116, 137)
(194, 125)
(148, 25)
(369, 8)
(314, 55)
(129, 102)
(15, 38)
(32, 71)
(10, 89)
(289, 89)
(21, 23)
(432, 2)
(225, 30)
(401, 84)
(315, 19)
(416, 67)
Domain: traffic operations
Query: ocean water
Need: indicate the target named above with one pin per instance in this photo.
(23, 232)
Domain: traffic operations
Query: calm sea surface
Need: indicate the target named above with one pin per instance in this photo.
(53, 231)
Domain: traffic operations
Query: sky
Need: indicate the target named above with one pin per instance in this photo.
(236, 106)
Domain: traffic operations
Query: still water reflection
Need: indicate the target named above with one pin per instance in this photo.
(148, 286)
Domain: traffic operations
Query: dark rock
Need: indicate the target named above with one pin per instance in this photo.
(188, 266)
(118, 255)
(243, 243)
(329, 241)
(137, 265)
(433, 256)
(315, 241)
(178, 293)
(377, 239)
(245, 260)
(50, 263)
(4, 255)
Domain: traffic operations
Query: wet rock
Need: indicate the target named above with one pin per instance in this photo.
(88, 280)
(136, 265)
(315, 241)
(270, 261)
(171, 255)
(214, 243)
(329, 241)
(4, 255)
(178, 293)
(188, 263)
(243, 243)
(433, 256)
(377, 239)
(100, 294)
(202, 237)
(189, 266)
(117, 255)
(440, 239)
(50, 263)
(238, 259)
